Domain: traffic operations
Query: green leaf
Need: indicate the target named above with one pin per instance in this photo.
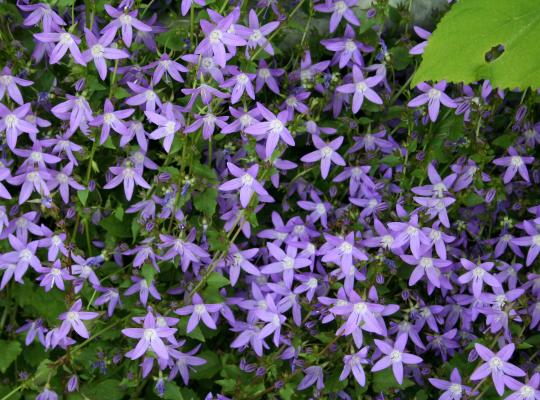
(206, 201)
(9, 353)
(108, 389)
(208, 370)
(457, 49)
(148, 272)
(83, 196)
(204, 171)
(385, 380)
(216, 280)
(116, 229)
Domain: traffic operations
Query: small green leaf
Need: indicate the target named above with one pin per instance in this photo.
(384, 380)
(206, 201)
(108, 389)
(83, 196)
(216, 280)
(9, 353)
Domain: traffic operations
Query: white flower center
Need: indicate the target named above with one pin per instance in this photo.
(207, 62)
(32, 177)
(128, 172)
(36, 156)
(439, 189)
(288, 263)
(215, 36)
(56, 272)
(199, 309)
(320, 209)
(247, 180)
(66, 39)
(361, 87)
(245, 120)
(276, 126)
(125, 19)
(25, 255)
(516, 161)
(264, 73)
(150, 334)
(495, 363)
(340, 7)
(455, 389)
(256, 35)
(426, 262)
(387, 240)
(56, 240)
(72, 316)
(62, 178)
(326, 152)
(412, 231)
(6, 79)
(478, 272)
(109, 118)
(372, 203)
(395, 356)
(312, 283)
(150, 95)
(346, 248)
(527, 392)
(434, 94)
(10, 121)
(170, 127)
(360, 308)
(350, 45)
(536, 240)
(97, 50)
(242, 79)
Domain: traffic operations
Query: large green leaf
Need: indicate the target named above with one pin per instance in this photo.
(456, 52)
(9, 353)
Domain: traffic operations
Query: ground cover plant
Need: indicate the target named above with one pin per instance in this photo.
(214, 199)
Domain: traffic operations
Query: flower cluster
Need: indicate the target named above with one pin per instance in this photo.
(236, 200)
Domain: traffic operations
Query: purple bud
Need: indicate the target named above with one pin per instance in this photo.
(379, 278)
(279, 384)
(260, 371)
(160, 387)
(164, 177)
(73, 384)
(91, 185)
(14, 210)
(521, 112)
(79, 85)
(70, 213)
(473, 356)
(371, 13)
(333, 191)
(405, 294)
(149, 226)
(490, 195)
(420, 156)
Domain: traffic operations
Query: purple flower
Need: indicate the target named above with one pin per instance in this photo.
(143, 95)
(419, 48)
(54, 276)
(73, 319)
(168, 67)
(124, 21)
(532, 241)
(353, 363)
(240, 83)
(339, 9)
(111, 119)
(246, 181)
(199, 311)
(186, 5)
(314, 375)
(217, 37)
(184, 361)
(129, 175)
(47, 395)
(514, 163)
(144, 288)
(240, 260)
(267, 76)
(168, 125)
(395, 356)
(341, 251)
(63, 181)
(497, 365)
(76, 110)
(14, 123)
(287, 263)
(453, 389)
(22, 256)
(523, 391)
(273, 128)
(64, 41)
(434, 96)
(8, 83)
(478, 274)
(150, 337)
(256, 34)
(99, 50)
(362, 88)
(327, 153)
(43, 13)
